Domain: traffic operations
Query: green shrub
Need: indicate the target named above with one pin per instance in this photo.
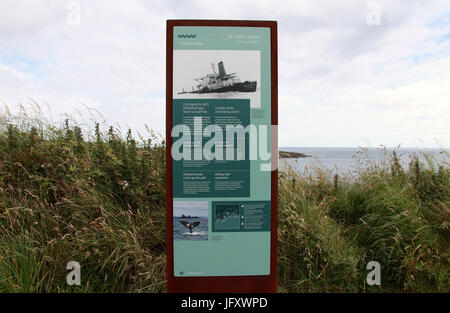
(99, 201)
(99, 198)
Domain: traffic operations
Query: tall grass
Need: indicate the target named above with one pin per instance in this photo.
(332, 226)
(98, 197)
(97, 200)
(314, 254)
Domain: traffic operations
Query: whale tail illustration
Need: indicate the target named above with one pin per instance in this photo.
(190, 225)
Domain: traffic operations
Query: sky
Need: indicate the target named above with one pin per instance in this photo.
(192, 208)
(351, 72)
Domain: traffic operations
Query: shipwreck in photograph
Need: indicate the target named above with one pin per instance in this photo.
(221, 82)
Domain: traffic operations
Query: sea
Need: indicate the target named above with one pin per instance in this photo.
(347, 161)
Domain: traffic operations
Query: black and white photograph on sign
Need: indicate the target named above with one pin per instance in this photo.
(190, 220)
(217, 74)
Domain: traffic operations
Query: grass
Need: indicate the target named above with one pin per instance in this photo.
(98, 198)
(332, 226)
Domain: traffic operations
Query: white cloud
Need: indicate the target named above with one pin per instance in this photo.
(341, 82)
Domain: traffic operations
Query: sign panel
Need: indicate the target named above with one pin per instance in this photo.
(221, 169)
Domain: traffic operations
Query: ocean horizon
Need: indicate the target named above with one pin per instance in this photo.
(345, 160)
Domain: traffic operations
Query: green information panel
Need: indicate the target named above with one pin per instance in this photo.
(221, 149)
(217, 177)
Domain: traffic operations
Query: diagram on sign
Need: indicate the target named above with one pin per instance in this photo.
(227, 217)
(240, 216)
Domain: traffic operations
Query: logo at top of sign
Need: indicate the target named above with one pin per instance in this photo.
(181, 36)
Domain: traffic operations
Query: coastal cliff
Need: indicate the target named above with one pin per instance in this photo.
(292, 155)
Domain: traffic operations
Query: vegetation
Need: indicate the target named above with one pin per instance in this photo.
(331, 227)
(98, 198)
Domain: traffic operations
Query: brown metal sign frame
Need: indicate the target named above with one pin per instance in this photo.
(266, 283)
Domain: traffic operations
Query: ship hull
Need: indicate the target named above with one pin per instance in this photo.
(248, 86)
